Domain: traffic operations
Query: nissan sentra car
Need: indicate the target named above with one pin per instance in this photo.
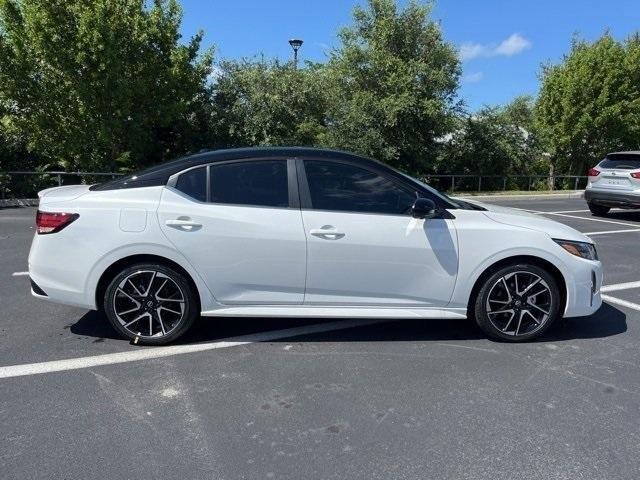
(300, 232)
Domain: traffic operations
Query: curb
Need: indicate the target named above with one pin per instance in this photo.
(19, 202)
(526, 196)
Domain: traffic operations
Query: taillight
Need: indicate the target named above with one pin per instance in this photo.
(593, 172)
(636, 175)
(52, 222)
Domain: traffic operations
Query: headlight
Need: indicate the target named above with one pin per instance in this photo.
(579, 249)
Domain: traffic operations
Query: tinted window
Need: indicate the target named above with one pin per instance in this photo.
(194, 183)
(345, 187)
(621, 161)
(259, 183)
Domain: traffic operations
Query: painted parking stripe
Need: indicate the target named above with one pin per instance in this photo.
(591, 219)
(160, 352)
(621, 302)
(20, 274)
(620, 286)
(563, 211)
(607, 232)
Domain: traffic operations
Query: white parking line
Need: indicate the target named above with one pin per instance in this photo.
(160, 352)
(620, 286)
(590, 218)
(20, 274)
(562, 211)
(607, 232)
(621, 302)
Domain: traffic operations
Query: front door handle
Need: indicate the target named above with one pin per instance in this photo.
(183, 224)
(327, 233)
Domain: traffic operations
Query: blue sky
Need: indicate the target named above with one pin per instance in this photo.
(503, 42)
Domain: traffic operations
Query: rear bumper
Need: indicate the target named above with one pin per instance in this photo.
(612, 199)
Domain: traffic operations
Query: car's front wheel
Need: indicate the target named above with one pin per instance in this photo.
(598, 210)
(153, 303)
(517, 303)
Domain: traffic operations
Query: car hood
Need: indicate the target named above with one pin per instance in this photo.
(524, 219)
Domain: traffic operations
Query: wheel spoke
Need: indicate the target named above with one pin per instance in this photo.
(506, 327)
(532, 316)
(535, 282)
(153, 277)
(509, 310)
(515, 279)
(519, 324)
(129, 296)
(135, 288)
(506, 287)
(160, 289)
(538, 308)
(160, 320)
(140, 317)
(169, 310)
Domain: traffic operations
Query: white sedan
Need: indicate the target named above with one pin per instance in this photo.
(302, 232)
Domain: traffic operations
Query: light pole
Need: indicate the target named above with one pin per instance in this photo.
(295, 44)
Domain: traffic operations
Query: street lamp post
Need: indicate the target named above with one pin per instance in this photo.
(295, 44)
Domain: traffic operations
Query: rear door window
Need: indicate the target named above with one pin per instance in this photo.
(260, 183)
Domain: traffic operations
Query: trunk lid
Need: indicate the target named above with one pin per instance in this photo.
(61, 194)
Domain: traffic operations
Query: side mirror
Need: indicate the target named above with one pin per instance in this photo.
(424, 208)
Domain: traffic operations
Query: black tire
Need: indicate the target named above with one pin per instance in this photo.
(164, 320)
(598, 210)
(492, 325)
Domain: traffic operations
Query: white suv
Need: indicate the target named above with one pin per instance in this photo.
(614, 182)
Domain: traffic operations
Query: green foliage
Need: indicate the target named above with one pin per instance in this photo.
(269, 103)
(100, 84)
(589, 104)
(495, 141)
(393, 82)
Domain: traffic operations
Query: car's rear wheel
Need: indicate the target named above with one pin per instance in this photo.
(517, 303)
(150, 302)
(598, 210)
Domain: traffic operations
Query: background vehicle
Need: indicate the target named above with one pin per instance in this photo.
(304, 233)
(614, 182)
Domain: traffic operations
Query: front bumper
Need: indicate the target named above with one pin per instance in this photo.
(583, 288)
(612, 199)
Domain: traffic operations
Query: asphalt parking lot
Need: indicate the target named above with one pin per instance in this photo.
(386, 400)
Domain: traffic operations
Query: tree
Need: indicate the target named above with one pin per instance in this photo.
(589, 104)
(495, 141)
(269, 103)
(394, 81)
(100, 84)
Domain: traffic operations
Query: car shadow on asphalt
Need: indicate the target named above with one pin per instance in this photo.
(606, 322)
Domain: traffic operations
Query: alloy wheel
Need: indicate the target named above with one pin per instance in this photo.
(149, 303)
(519, 303)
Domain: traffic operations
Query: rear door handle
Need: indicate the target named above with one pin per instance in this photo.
(183, 224)
(327, 233)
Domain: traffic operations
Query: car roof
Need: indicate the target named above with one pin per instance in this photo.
(630, 152)
(159, 174)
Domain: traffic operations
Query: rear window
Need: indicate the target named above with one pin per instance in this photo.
(621, 161)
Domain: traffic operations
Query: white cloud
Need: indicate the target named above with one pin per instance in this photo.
(473, 77)
(513, 45)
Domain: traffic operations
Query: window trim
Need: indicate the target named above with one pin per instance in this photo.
(305, 192)
(292, 182)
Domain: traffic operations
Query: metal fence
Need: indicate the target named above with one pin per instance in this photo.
(27, 184)
(495, 183)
